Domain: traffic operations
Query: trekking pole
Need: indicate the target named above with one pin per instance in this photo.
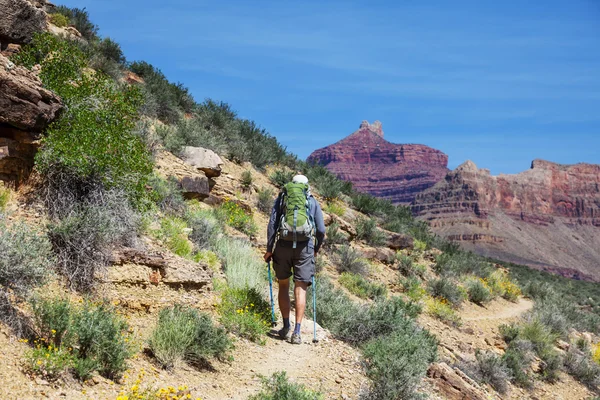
(273, 323)
(315, 340)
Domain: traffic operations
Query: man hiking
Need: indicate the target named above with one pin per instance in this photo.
(296, 224)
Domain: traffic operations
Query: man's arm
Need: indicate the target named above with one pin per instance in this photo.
(319, 225)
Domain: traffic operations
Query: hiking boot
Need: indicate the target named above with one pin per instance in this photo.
(283, 333)
(296, 339)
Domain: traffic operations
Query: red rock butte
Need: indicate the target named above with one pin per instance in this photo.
(397, 172)
(547, 217)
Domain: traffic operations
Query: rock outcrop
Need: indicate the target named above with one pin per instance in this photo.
(547, 217)
(26, 108)
(397, 172)
(19, 21)
(193, 182)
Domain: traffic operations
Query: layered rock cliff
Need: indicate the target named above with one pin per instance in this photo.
(397, 172)
(547, 217)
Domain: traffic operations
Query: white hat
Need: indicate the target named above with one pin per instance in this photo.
(300, 179)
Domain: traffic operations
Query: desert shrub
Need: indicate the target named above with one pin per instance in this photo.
(99, 116)
(371, 205)
(4, 197)
(397, 362)
(184, 334)
(80, 19)
(245, 312)
(243, 267)
(238, 218)
(413, 288)
(406, 265)
(509, 332)
(500, 285)
(443, 288)
(166, 194)
(83, 232)
(89, 337)
(361, 287)
(326, 184)
(596, 353)
(25, 257)
(441, 309)
(420, 246)
(266, 198)
(489, 368)
(246, 180)
(478, 291)
(582, 367)
(336, 208)
(542, 340)
(174, 233)
(551, 317)
(111, 50)
(278, 387)
(517, 358)
(205, 227)
(59, 20)
(170, 100)
(48, 361)
(366, 229)
(347, 259)
(462, 263)
(320, 263)
(333, 235)
(279, 177)
(53, 319)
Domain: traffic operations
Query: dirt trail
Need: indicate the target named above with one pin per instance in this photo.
(496, 311)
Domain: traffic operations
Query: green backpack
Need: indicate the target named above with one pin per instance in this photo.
(296, 223)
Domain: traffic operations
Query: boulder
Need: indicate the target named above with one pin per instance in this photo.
(203, 159)
(26, 109)
(453, 384)
(193, 182)
(19, 21)
(399, 241)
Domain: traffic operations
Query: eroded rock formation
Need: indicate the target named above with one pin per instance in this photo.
(547, 217)
(20, 20)
(393, 171)
(26, 108)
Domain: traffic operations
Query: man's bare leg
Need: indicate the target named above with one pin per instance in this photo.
(284, 305)
(300, 296)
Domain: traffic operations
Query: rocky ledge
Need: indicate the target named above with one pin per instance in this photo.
(547, 217)
(397, 172)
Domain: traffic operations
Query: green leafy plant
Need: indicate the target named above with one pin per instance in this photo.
(440, 308)
(478, 291)
(184, 334)
(246, 180)
(279, 177)
(59, 20)
(334, 236)
(80, 18)
(359, 286)
(238, 218)
(336, 208)
(174, 233)
(4, 197)
(266, 198)
(347, 259)
(166, 194)
(246, 313)
(489, 368)
(445, 289)
(366, 229)
(279, 387)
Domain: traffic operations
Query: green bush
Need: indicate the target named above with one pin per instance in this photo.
(166, 194)
(238, 218)
(518, 358)
(366, 229)
(509, 332)
(333, 235)
(440, 308)
(278, 387)
(89, 337)
(83, 232)
(462, 263)
(4, 198)
(281, 176)
(446, 289)
(82, 141)
(205, 226)
(81, 20)
(266, 199)
(59, 20)
(371, 205)
(397, 362)
(582, 367)
(184, 334)
(243, 267)
(246, 180)
(173, 232)
(406, 265)
(478, 291)
(245, 313)
(335, 208)
(48, 361)
(413, 288)
(359, 286)
(489, 368)
(347, 259)
(25, 257)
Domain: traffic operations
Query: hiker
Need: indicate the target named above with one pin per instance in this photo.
(297, 224)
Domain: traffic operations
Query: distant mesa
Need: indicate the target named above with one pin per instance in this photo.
(547, 217)
(397, 172)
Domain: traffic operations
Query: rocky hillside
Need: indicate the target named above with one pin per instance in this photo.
(397, 172)
(547, 217)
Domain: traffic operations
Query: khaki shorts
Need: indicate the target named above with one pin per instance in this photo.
(299, 262)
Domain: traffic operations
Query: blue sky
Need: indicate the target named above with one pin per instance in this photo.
(497, 82)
